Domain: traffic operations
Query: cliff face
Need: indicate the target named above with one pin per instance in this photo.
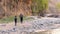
(15, 7)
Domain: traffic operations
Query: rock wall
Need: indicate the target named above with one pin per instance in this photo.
(15, 7)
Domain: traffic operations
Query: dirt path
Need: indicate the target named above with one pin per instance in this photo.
(30, 26)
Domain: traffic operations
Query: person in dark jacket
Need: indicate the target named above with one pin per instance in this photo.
(15, 19)
(21, 18)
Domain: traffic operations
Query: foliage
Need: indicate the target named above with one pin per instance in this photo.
(58, 5)
(39, 5)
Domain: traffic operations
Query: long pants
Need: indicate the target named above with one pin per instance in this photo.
(21, 19)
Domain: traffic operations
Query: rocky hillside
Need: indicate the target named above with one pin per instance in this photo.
(15, 7)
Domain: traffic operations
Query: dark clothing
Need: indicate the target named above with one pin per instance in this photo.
(15, 19)
(21, 18)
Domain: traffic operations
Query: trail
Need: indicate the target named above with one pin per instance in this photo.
(27, 27)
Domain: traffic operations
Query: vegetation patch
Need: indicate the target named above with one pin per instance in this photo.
(11, 19)
(58, 6)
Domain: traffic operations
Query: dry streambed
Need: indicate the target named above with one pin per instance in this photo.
(38, 26)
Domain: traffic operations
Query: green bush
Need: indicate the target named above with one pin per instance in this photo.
(39, 5)
(58, 6)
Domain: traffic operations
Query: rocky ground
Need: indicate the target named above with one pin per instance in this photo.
(30, 26)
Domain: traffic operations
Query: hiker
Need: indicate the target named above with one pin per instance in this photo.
(21, 18)
(15, 19)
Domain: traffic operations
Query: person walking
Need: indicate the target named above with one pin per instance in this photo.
(15, 19)
(21, 18)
